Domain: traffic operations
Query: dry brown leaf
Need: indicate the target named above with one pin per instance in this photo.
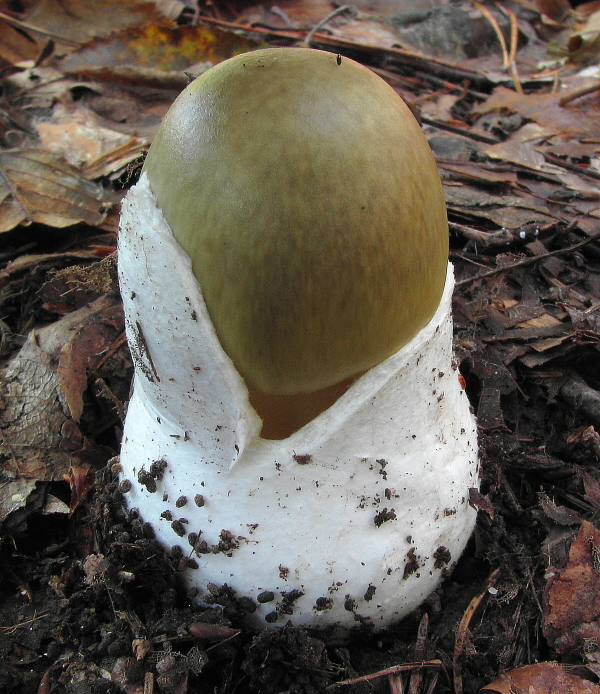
(584, 187)
(477, 172)
(570, 150)
(36, 186)
(15, 45)
(125, 158)
(32, 426)
(584, 42)
(157, 46)
(34, 411)
(508, 211)
(544, 321)
(549, 343)
(546, 110)
(561, 515)
(14, 494)
(81, 480)
(76, 135)
(82, 21)
(521, 153)
(540, 678)
(572, 595)
(40, 439)
(481, 502)
(85, 348)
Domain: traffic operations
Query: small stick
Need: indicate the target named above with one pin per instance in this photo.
(394, 670)
(463, 629)
(37, 30)
(576, 93)
(528, 261)
(331, 15)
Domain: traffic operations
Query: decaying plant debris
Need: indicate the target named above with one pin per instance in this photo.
(88, 601)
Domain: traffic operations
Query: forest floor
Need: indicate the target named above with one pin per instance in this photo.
(89, 602)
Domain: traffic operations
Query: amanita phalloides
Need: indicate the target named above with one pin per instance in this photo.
(297, 426)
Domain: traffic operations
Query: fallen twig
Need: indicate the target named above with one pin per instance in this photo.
(528, 261)
(576, 392)
(463, 630)
(394, 670)
(323, 22)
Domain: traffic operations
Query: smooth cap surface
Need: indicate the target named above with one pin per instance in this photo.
(308, 199)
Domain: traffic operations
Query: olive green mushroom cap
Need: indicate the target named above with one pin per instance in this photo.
(309, 202)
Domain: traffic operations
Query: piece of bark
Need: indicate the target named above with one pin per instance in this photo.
(578, 395)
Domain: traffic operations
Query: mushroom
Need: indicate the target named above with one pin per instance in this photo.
(297, 426)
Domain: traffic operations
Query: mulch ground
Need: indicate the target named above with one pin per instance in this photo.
(90, 603)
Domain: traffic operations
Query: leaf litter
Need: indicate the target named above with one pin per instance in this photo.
(509, 102)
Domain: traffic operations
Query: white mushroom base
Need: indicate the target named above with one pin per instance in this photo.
(354, 518)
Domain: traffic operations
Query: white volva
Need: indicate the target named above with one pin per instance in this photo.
(356, 516)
